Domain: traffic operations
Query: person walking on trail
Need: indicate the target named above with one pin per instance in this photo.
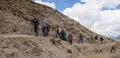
(80, 38)
(46, 29)
(91, 39)
(101, 39)
(63, 35)
(113, 48)
(58, 31)
(35, 22)
(45, 22)
(70, 38)
(96, 39)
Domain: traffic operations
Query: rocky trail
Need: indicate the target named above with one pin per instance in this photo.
(29, 46)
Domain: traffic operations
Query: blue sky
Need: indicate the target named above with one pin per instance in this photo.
(100, 16)
(63, 4)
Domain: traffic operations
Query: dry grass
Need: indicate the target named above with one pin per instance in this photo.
(15, 18)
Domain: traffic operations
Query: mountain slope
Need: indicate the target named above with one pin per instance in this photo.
(26, 46)
(17, 38)
(15, 17)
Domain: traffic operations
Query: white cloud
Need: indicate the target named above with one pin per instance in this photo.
(85, 13)
(110, 3)
(109, 23)
(105, 3)
(90, 15)
(46, 3)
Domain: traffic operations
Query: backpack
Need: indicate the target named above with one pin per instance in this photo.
(101, 39)
(96, 37)
(65, 36)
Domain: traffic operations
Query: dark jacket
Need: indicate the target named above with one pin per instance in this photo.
(35, 21)
(63, 35)
(101, 39)
(80, 37)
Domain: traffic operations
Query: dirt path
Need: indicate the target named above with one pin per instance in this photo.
(16, 35)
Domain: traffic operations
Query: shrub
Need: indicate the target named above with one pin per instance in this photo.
(52, 41)
(69, 51)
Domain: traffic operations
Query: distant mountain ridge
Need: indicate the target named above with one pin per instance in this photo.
(117, 38)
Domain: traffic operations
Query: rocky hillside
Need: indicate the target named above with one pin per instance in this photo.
(15, 17)
(28, 46)
(17, 38)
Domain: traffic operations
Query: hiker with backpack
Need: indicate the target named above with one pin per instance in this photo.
(80, 38)
(63, 35)
(91, 40)
(113, 49)
(58, 31)
(96, 39)
(45, 22)
(46, 27)
(70, 38)
(101, 39)
(35, 22)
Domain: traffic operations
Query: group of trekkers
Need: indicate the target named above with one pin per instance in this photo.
(45, 27)
(94, 39)
(60, 33)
